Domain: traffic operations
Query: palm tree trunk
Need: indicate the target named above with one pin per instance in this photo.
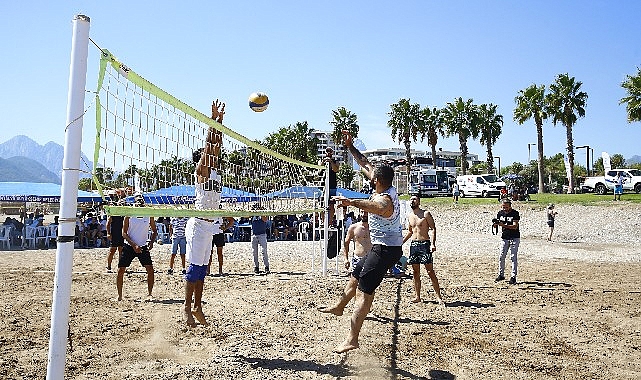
(539, 145)
(408, 157)
(568, 132)
(490, 159)
(463, 144)
(434, 156)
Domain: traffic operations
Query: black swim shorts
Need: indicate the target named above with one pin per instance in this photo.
(371, 270)
(128, 255)
(218, 240)
(420, 252)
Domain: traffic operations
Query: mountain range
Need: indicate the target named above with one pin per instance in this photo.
(24, 160)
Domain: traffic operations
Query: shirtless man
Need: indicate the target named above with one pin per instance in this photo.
(419, 225)
(359, 233)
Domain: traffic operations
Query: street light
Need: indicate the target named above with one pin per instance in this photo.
(499, 170)
(587, 156)
(528, 152)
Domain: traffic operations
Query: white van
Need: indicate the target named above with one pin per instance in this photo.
(484, 185)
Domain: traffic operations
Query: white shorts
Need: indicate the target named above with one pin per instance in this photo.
(198, 233)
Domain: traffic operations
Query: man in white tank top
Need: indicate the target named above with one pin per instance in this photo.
(199, 231)
(135, 231)
(386, 233)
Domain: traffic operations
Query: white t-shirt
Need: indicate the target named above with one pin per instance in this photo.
(139, 230)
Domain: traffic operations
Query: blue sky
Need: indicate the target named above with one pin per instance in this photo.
(312, 57)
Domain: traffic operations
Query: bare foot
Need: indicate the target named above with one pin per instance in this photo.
(346, 346)
(331, 310)
(200, 317)
(417, 300)
(440, 302)
(190, 319)
(119, 298)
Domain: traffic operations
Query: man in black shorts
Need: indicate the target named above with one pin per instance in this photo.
(419, 225)
(387, 239)
(114, 235)
(218, 241)
(135, 231)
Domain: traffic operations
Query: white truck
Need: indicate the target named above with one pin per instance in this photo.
(484, 185)
(605, 184)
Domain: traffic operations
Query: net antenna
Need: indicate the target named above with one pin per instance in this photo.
(145, 141)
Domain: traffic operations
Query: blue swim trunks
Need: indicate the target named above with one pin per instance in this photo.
(195, 273)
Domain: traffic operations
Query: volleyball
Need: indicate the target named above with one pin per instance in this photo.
(258, 101)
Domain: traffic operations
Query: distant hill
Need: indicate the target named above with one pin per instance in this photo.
(49, 155)
(633, 160)
(23, 169)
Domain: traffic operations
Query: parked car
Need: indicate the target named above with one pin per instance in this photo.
(605, 184)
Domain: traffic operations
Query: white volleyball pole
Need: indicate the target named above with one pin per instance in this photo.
(68, 199)
(327, 221)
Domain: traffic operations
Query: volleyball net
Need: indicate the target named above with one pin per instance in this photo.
(144, 142)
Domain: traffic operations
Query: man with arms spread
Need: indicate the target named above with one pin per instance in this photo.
(508, 219)
(135, 231)
(387, 239)
(419, 225)
(359, 234)
(199, 231)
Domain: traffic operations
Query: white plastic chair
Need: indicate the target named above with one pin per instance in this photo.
(30, 237)
(5, 236)
(42, 235)
(302, 231)
(52, 233)
(163, 235)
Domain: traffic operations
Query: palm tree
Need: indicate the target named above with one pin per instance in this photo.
(632, 85)
(460, 119)
(432, 126)
(490, 124)
(406, 126)
(343, 119)
(530, 103)
(565, 104)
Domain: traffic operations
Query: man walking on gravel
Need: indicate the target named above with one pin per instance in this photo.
(508, 219)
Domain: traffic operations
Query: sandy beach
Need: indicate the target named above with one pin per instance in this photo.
(575, 312)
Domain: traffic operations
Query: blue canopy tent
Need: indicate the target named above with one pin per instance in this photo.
(186, 194)
(351, 194)
(39, 192)
(313, 192)
(308, 192)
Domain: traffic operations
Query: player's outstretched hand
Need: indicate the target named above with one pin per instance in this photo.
(348, 140)
(217, 110)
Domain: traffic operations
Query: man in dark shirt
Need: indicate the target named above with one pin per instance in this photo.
(508, 219)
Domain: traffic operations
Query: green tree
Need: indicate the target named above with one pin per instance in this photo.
(294, 141)
(343, 119)
(632, 86)
(406, 126)
(565, 104)
(460, 119)
(346, 175)
(530, 103)
(85, 184)
(489, 125)
(431, 123)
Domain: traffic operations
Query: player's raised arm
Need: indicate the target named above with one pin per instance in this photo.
(366, 167)
(211, 151)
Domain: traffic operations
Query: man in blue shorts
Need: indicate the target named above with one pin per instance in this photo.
(199, 231)
(386, 235)
(178, 241)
